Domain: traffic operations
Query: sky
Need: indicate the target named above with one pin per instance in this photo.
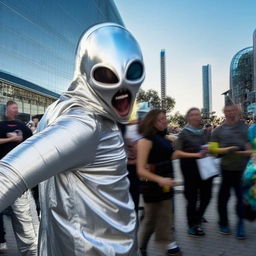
(193, 33)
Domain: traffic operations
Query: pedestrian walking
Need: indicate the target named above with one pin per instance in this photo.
(231, 142)
(12, 133)
(155, 167)
(131, 138)
(190, 147)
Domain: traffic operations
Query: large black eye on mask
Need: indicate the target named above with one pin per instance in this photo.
(135, 71)
(105, 75)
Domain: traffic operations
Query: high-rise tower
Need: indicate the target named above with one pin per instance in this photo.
(207, 90)
(163, 80)
(254, 60)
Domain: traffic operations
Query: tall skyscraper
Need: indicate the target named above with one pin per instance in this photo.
(207, 90)
(163, 80)
(254, 60)
(38, 44)
(242, 88)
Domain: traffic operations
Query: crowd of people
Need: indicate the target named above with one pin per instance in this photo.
(12, 133)
(79, 155)
(150, 151)
(155, 151)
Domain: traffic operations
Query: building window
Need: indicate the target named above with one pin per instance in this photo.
(29, 103)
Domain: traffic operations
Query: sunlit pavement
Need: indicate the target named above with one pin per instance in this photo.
(212, 244)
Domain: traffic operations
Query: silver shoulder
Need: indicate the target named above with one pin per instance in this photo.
(68, 143)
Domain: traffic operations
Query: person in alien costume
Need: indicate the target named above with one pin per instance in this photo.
(79, 153)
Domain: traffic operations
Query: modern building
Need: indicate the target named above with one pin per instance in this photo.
(38, 41)
(207, 90)
(241, 79)
(254, 60)
(163, 78)
(227, 98)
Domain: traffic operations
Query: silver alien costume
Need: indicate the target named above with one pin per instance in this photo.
(79, 153)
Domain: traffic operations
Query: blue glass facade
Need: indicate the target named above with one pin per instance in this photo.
(38, 38)
(207, 90)
(254, 60)
(241, 78)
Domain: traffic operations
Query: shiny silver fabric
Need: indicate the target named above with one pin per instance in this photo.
(79, 152)
(25, 224)
(112, 47)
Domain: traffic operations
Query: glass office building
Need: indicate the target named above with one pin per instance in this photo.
(37, 47)
(241, 78)
(254, 60)
(207, 90)
(31, 98)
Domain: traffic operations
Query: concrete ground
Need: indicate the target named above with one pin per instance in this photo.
(212, 244)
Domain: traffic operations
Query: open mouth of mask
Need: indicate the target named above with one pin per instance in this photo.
(121, 102)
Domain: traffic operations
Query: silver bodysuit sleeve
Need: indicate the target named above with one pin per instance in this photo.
(57, 148)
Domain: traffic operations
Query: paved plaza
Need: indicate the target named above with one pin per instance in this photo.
(212, 244)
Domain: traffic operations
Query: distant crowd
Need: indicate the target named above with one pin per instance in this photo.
(203, 152)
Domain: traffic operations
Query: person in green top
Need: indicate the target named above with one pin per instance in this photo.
(230, 141)
(249, 178)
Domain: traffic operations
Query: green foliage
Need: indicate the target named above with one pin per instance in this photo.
(153, 98)
(177, 119)
(170, 103)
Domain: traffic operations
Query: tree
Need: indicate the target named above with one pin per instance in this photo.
(170, 103)
(177, 119)
(153, 98)
(211, 118)
(150, 96)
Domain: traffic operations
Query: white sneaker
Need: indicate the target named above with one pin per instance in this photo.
(172, 245)
(3, 247)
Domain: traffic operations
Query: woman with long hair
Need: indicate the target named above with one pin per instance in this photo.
(189, 147)
(155, 167)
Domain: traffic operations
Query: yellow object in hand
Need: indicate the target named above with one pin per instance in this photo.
(214, 147)
(166, 189)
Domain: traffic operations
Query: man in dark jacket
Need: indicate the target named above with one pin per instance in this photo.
(12, 133)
